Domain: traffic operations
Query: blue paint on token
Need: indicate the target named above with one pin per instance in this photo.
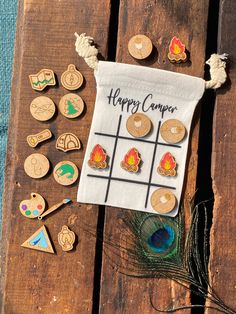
(35, 212)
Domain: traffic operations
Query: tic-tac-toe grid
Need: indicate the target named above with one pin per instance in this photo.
(109, 178)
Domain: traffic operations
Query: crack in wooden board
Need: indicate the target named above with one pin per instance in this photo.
(34, 281)
(160, 20)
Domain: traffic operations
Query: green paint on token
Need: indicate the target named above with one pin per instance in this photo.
(28, 212)
(71, 109)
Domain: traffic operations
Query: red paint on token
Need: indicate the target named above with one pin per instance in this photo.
(39, 206)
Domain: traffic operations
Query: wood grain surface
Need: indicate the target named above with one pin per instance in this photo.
(222, 265)
(160, 21)
(37, 282)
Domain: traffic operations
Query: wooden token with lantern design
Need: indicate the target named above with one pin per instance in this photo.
(131, 161)
(177, 52)
(167, 165)
(98, 158)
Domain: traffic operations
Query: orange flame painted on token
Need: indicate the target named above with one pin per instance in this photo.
(98, 157)
(176, 50)
(131, 160)
(167, 165)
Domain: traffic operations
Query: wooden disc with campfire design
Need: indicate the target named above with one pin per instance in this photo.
(177, 52)
(131, 161)
(98, 158)
(167, 165)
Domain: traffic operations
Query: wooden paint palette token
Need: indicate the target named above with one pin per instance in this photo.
(71, 105)
(42, 108)
(140, 47)
(36, 166)
(131, 161)
(39, 241)
(34, 207)
(34, 139)
(138, 125)
(43, 78)
(65, 173)
(163, 201)
(66, 238)
(67, 142)
(167, 166)
(173, 131)
(72, 79)
(177, 52)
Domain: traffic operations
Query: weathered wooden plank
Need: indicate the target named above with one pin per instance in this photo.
(34, 281)
(222, 265)
(160, 20)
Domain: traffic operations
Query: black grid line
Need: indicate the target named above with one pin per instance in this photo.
(152, 165)
(113, 157)
(131, 181)
(136, 139)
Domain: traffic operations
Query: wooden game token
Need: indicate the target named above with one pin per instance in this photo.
(140, 47)
(138, 125)
(131, 161)
(163, 201)
(67, 142)
(66, 238)
(173, 131)
(167, 165)
(54, 207)
(34, 207)
(71, 105)
(36, 166)
(72, 79)
(39, 241)
(34, 139)
(42, 108)
(43, 78)
(65, 173)
(98, 158)
(177, 52)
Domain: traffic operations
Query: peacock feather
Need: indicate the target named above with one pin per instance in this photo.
(155, 246)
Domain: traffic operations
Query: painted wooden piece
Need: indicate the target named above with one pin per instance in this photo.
(34, 139)
(36, 165)
(71, 106)
(167, 166)
(54, 207)
(138, 125)
(33, 207)
(98, 158)
(131, 161)
(140, 46)
(177, 51)
(39, 241)
(173, 131)
(65, 173)
(42, 79)
(163, 201)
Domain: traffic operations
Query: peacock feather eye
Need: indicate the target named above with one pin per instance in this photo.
(162, 239)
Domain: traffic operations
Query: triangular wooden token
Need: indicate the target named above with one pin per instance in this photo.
(39, 241)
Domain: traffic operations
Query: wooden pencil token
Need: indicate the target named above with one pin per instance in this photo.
(66, 239)
(33, 207)
(65, 173)
(140, 47)
(42, 108)
(138, 125)
(34, 139)
(36, 166)
(39, 241)
(163, 201)
(67, 142)
(72, 79)
(43, 78)
(173, 131)
(71, 105)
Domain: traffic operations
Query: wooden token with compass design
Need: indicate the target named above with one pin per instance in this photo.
(72, 79)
